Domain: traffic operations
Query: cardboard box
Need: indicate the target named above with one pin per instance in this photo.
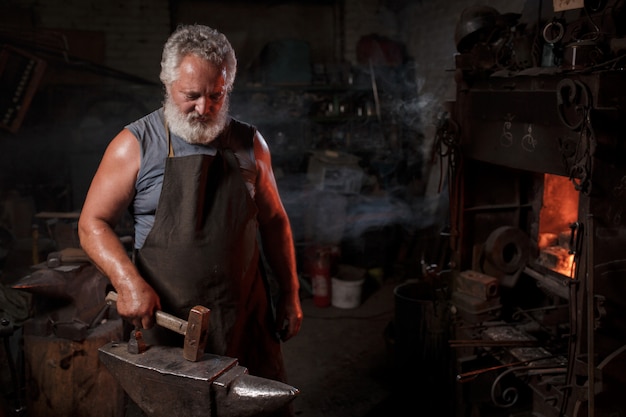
(335, 171)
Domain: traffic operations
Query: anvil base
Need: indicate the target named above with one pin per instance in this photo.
(163, 384)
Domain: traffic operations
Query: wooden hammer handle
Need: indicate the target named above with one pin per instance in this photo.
(163, 319)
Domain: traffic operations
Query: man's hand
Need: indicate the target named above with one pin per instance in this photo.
(138, 305)
(288, 316)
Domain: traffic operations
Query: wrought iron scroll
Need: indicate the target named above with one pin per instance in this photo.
(507, 397)
(574, 107)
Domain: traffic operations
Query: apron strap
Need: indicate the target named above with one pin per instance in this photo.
(170, 152)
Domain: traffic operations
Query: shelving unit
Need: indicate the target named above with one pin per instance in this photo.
(325, 196)
(299, 118)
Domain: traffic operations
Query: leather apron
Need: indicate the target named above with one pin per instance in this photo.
(203, 250)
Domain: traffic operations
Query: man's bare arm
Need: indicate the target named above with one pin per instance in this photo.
(277, 242)
(111, 191)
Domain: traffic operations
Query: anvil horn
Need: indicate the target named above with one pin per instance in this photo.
(163, 384)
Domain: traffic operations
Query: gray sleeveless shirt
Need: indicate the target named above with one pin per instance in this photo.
(150, 132)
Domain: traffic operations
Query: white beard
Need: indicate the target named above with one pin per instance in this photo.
(192, 127)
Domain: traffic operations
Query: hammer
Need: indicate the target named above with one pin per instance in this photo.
(195, 329)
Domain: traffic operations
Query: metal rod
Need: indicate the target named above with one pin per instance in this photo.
(590, 319)
(488, 343)
(468, 376)
(375, 90)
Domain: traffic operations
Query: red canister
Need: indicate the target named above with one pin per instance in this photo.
(320, 277)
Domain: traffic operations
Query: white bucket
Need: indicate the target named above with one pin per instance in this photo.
(346, 293)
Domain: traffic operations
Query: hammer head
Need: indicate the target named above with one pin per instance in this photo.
(197, 333)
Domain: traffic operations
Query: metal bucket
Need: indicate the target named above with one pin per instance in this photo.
(421, 352)
(420, 327)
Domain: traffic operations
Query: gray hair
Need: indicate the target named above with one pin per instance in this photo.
(203, 41)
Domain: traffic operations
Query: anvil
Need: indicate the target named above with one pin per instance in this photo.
(163, 384)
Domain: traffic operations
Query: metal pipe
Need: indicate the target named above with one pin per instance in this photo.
(590, 319)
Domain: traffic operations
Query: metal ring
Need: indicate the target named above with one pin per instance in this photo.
(507, 249)
(560, 32)
(572, 94)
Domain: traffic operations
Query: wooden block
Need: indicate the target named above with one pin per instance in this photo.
(477, 284)
(65, 378)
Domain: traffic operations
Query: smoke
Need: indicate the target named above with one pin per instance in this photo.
(390, 146)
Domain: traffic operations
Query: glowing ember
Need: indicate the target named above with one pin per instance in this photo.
(557, 259)
(558, 212)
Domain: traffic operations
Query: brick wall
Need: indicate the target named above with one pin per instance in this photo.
(128, 36)
(134, 30)
(427, 28)
(366, 17)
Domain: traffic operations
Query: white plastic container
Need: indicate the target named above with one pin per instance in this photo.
(346, 293)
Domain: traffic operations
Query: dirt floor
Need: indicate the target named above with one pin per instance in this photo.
(342, 360)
